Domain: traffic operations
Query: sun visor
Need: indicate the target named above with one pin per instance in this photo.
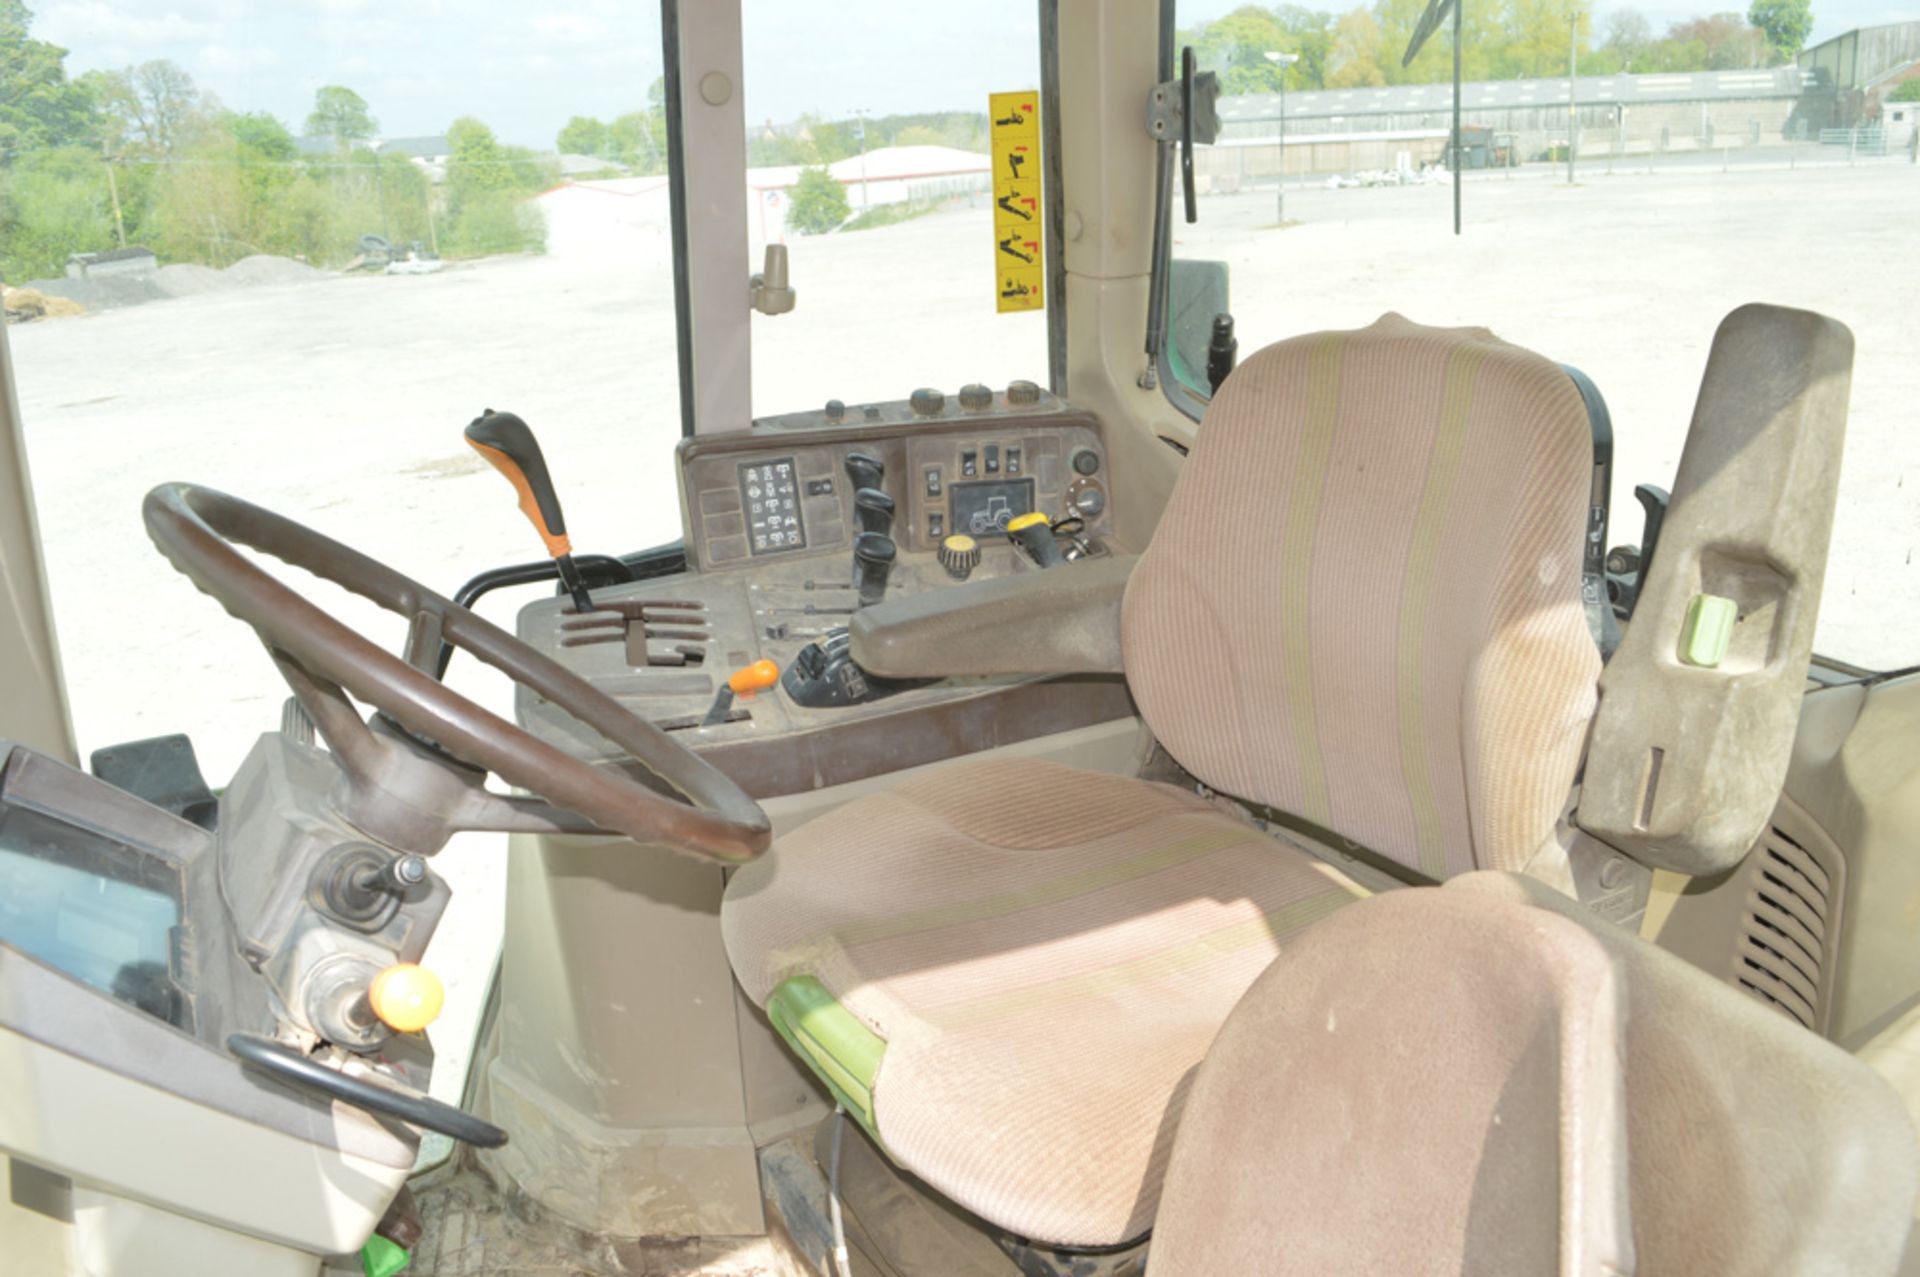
(1698, 706)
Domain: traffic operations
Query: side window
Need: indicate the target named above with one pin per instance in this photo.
(1697, 166)
(289, 252)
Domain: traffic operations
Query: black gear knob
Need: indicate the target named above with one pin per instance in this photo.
(873, 554)
(874, 509)
(865, 471)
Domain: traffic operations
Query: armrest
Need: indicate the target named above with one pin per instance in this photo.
(1063, 620)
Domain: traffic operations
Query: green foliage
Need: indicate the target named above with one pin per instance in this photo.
(1905, 91)
(818, 203)
(888, 215)
(54, 203)
(496, 221)
(341, 114)
(1785, 23)
(1235, 48)
(39, 106)
(583, 135)
(813, 141)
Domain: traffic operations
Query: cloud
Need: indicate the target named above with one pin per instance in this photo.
(82, 23)
(223, 59)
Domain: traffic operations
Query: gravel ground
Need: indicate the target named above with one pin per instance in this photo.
(339, 400)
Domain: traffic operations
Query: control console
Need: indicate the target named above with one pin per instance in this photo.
(794, 525)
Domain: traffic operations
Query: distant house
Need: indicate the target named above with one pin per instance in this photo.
(132, 262)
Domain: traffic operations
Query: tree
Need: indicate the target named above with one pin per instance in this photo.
(1722, 42)
(1357, 52)
(341, 114)
(52, 204)
(1905, 91)
(1785, 23)
(1629, 36)
(583, 135)
(153, 110)
(817, 203)
(39, 106)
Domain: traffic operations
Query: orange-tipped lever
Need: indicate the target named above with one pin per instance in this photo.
(743, 682)
(508, 445)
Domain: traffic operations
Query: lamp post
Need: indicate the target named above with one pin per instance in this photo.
(860, 122)
(1283, 61)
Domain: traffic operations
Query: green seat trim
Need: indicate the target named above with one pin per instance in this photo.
(844, 1052)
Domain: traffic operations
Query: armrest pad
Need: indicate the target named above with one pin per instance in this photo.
(1063, 620)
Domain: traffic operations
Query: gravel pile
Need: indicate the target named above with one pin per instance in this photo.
(184, 279)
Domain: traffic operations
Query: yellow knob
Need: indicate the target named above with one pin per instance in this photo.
(1027, 520)
(406, 997)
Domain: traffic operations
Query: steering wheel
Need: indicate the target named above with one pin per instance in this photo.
(414, 793)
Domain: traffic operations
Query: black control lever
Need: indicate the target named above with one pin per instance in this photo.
(874, 509)
(1223, 348)
(508, 445)
(873, 555)
(1034, 534)
(278, 1060)
(865, 471)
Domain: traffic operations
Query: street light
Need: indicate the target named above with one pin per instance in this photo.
(1283, 61)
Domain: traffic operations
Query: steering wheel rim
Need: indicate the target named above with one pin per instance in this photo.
(197, 530)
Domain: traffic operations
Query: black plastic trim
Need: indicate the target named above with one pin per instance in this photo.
(282, 1062)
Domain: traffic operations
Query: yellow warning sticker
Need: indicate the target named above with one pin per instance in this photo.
(1019, 273)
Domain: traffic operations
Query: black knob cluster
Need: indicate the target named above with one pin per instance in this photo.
(873, 547)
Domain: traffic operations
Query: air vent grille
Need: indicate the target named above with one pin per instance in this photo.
(1786, 942)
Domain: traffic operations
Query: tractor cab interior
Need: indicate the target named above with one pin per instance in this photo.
(1020, 831)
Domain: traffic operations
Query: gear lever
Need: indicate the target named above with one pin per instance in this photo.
(508, 445)
(865, 471)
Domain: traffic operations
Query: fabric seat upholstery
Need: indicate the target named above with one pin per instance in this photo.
(1362, 607)
(1047, 952)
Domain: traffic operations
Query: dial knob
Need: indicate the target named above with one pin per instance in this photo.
(927, 402)
(1023, 393)
(836, 411)
(975, 397)
(1086, 461)
(959, 555)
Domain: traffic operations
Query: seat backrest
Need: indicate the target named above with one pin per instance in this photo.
(1362, 604)
(1487, 1079)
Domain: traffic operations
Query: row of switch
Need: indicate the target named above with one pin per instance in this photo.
(973, 463)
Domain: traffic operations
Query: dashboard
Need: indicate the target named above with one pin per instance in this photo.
(794, 524)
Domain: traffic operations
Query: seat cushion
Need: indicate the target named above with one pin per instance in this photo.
(1047, 954)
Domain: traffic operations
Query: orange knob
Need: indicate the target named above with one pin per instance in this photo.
(406, 997)
(757, 677)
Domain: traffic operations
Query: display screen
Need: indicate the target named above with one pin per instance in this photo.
(62, 902)
(770, 495)
(983, 508)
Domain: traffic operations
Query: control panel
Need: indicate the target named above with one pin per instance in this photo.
(795, 525)
(784, 486)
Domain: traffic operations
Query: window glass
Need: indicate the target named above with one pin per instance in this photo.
(1709, 169)
(289, 250)
(867, 155)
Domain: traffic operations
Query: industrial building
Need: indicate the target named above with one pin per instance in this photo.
(1836, 85)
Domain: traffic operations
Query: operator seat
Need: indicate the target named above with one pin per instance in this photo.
(1361, 607)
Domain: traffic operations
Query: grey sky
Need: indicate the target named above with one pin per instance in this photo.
(524, 68)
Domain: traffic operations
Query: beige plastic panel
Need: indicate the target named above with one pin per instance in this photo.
(78, 1119)
(1061, 620)
(33, 704)
(1856, 773)
(1685, 763)
(115, 1237)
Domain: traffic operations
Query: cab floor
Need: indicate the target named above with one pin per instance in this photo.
(472, 1228)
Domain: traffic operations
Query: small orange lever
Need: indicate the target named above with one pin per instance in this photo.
(757, 677)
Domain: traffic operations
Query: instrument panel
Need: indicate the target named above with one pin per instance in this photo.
(782, 488)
